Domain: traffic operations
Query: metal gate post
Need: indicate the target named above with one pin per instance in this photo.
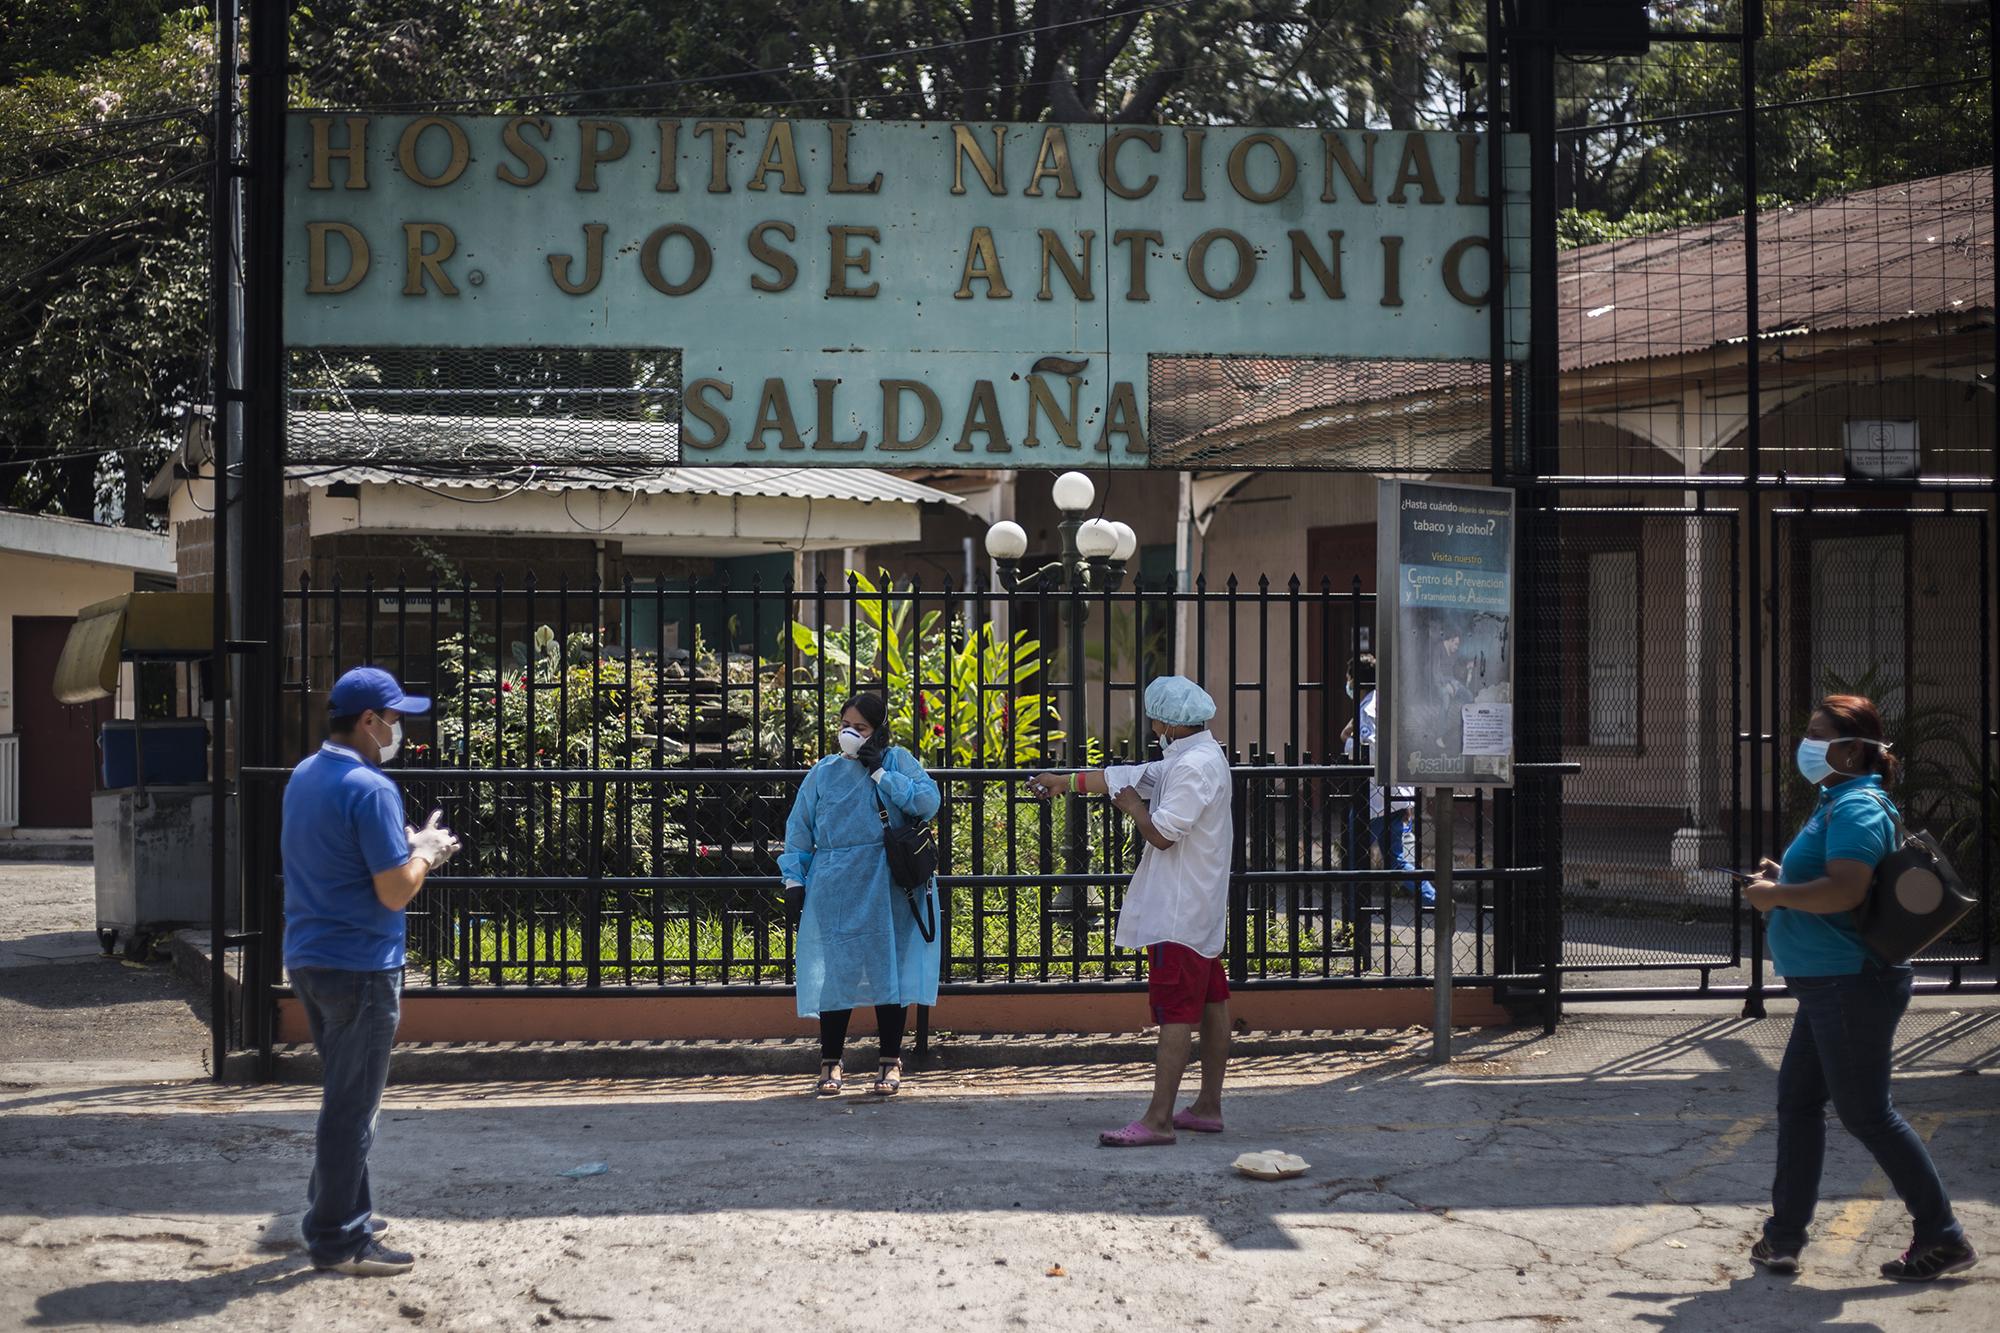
(1753, 28)
(263, 546)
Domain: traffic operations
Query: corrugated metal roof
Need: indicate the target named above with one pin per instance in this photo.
(485, 453)
(1868, 258)
(815, 483)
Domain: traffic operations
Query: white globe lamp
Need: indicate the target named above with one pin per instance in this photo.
(1073, 492)
(1128, 541)
(1096, 539)
(1006, 540)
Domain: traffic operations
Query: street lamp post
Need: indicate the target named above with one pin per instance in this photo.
(1093, 559)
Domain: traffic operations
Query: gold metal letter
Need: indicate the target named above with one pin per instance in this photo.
(892, 415)
(1197, 264)
(719, 133)
(841, 184)
(1052, 159)
(1360, 179)
(649, 259)
(982, 261)
(774, 412)
(828, 438)
(406, 151)
(1328, 273)
(1076, 274)
(1122, 417)
(1471, 170)
(1140, 239)
(357, 258)
(841, 261)
(708, 413)
(419, 259)
(615, 147)
(982, 417)
(965, 147)
(1041, 398)
(356, 153)
(1239, 168)
(782, 156)
(593, 261)
(1454, 281)
(1194, 192)
(533, 165)
(1415, 169)
(670, 158)
(781, 263)
(1108, 167)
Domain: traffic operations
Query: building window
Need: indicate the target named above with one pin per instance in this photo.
(1613, 648)
(1603, 611)
(1858, 616)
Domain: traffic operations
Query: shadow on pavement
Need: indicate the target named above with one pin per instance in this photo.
(146, 1301)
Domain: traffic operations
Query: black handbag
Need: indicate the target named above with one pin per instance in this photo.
(1915, 897)
(913, 861)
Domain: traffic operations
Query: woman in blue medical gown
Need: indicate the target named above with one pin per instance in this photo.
(858, 940)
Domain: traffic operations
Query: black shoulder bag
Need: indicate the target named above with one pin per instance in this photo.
(913, 861)
(1915, 897)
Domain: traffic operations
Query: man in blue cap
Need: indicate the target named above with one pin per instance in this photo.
(1177, 907)
(351, 868)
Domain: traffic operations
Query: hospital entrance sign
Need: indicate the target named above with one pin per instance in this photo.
(905, 294)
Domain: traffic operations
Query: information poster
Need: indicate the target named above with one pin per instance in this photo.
(1445, 680)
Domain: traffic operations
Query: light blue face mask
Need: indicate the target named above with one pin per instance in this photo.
(1813, 764)
(1350, 689)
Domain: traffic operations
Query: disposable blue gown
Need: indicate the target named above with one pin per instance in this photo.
(858, 942)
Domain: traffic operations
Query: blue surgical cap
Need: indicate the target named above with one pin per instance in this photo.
(1178, 702)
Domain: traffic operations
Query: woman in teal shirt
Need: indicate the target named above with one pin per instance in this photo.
(1849, 1001)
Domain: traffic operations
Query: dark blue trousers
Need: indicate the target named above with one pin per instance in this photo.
(353, 1017)
(1839, 1052)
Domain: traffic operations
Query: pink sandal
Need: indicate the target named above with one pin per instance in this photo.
(1134, 1135)
(1198, 1124)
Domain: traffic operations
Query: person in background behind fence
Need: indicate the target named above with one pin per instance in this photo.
(1849, 1000)
(1391, 824)
(1177, 907)
(859, 939)
(351, 868)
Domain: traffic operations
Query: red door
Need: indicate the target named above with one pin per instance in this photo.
(58, 744)
(1339, 556)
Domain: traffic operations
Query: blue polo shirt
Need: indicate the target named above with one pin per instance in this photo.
(1849, 824)
(343, 824)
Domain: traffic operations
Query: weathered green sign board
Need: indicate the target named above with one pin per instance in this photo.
(895, 293)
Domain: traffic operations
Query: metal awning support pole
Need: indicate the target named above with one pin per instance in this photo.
(1443, 923)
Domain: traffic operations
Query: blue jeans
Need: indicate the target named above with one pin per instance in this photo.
(1839, 1052)
(353, 1017)
(1398, 842)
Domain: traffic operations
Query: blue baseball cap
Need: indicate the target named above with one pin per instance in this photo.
(371, 687)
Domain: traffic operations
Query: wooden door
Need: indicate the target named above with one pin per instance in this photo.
(58, 744)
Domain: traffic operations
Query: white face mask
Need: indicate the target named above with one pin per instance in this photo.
(851, 741)
(395, 742)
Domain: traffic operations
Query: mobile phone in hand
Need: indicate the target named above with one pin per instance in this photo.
(1735, 876)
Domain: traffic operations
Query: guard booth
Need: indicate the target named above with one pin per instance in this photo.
(150, 811)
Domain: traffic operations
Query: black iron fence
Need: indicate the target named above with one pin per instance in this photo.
(620, 761)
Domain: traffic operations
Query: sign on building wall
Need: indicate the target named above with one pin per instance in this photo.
(1445, 683)
(896, 293)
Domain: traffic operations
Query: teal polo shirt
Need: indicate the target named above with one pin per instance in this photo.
(1849, 824)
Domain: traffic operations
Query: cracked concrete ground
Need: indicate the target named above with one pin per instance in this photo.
(1609, 1177)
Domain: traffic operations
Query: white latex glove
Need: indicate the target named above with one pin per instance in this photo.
(434, 842)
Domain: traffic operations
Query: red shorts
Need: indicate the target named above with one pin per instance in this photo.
(1179, 982)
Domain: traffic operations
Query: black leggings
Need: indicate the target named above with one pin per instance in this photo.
(888, 1021)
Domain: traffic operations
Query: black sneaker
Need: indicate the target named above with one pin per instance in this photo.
(1769, 1257)
(1926, 1263)
(377, 1225)
(378, 1260)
